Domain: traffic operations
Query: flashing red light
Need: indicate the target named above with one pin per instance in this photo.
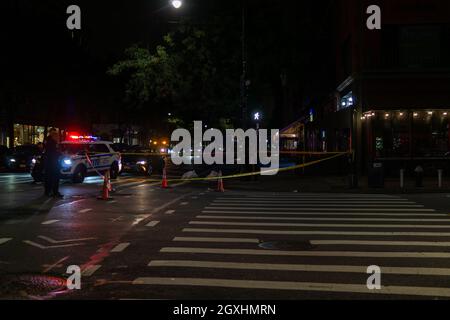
(76, 136)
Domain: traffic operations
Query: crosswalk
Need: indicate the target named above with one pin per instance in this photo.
(321, 243)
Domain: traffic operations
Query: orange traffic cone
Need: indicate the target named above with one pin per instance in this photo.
(106, 187)
(165, 183)
(220, 187)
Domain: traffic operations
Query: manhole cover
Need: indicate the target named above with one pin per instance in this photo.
(286, 245)
(30, 286)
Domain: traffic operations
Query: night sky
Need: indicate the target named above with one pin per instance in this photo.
(46, 64)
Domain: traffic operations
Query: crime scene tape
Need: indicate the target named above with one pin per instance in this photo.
(249, 174)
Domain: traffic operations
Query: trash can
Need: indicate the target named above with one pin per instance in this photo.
(376, 175)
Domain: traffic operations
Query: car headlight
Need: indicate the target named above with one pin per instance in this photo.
(67, 162)
(142, 163)
(12, 160)
(33, 161)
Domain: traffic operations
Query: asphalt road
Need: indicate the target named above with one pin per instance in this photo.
(190, 242)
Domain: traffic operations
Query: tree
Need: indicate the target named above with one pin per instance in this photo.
(194, 73)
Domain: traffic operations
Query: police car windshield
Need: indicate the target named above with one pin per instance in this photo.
(72, 148)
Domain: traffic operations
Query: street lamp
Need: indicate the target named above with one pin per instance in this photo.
(177, 4)
(257, 117)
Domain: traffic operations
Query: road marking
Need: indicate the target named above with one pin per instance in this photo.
(297, 267)
(37, 245)
(64, 241)
(348, 202)
(328, 213)
(140, 218)
(320, 219)
(341, 254)
(4, 240)
(313, 225)
(90, 270)
(170, 203)
(194, 197)
(382, 243)
(56, 264)
(111, 202)
(293, 286)
(169, 211)
(219, 240)
(316, 205)
(319, 196)
(184, 203)
(120, 247)
(152, 223)
(331, 209)
(49, 222)
(320, 233)
(85, 210)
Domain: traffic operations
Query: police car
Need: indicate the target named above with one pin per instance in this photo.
(86, 155)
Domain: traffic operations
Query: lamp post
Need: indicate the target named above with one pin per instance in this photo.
(244, 82)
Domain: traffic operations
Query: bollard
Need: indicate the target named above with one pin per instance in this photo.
(402, 178)
(440, 172)
(419, 176)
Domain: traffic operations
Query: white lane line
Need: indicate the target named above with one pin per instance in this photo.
(152, 223)
(85, 210)
(215, 240)
(64, 241)
(318, 205)
(319, 233)
(330, 209)
(111, 202)
(293, 286)
(297, 267)
(184, 203)
(327, 213)
(40, 246)
(320, 225)
(120, 247)
(169, 212)
(56, 264)
(90, 270)
(49, 222)
(381, 243)
(4, 240)
(389, 202)
(312, 195)
(319, 219)
(341, 254)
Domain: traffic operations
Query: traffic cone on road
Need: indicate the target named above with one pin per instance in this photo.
(220, 187)
(165, 183)
(106, 187)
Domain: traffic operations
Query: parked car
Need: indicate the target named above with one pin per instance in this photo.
(21, 157)
(141, 160)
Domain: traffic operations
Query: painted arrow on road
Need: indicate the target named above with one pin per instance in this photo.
(40, 246)
(57, 243)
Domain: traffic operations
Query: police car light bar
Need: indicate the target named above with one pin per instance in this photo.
(82, 138)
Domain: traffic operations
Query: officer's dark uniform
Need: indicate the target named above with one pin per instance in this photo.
(51, 167)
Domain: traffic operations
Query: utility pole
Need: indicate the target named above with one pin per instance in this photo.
(244, 70)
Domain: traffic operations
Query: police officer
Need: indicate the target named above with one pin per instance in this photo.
(51, 164)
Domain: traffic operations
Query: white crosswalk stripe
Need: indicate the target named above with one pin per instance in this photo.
(289, 240)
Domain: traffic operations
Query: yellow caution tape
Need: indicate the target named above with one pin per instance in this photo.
(234, 176)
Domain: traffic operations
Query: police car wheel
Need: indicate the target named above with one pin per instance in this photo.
(79, 175)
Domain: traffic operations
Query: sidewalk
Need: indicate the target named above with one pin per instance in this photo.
(331, 184)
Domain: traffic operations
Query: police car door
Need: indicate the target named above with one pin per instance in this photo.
(100, 157)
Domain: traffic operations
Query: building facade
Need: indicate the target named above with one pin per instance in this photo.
(391, 101)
